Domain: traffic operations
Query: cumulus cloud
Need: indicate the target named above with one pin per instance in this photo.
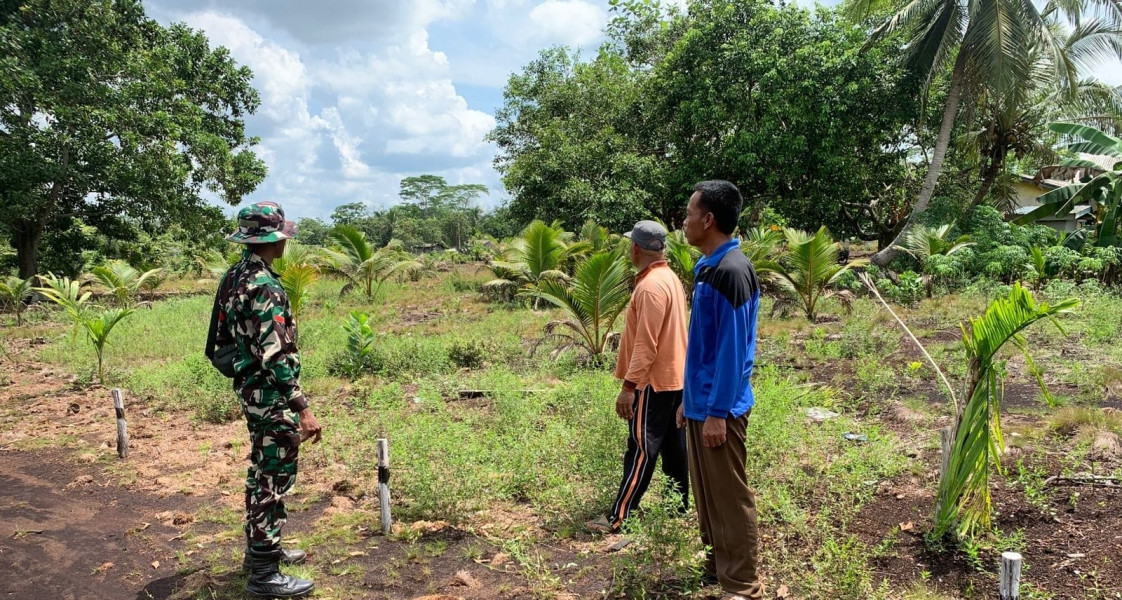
(570, 22)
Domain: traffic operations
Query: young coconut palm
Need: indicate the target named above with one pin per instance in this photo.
(68, 294)
(298, 269)
(592, 301)
(98, 330)
(123, 281)
(807, 269)
(358, 261)
(540, 254)
(682, 257)
(924, 243)
(963, 500)
(15, 292)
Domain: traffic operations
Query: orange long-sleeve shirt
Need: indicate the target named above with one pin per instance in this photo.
(652, 350)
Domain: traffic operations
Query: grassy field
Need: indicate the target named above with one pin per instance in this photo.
(540, 452)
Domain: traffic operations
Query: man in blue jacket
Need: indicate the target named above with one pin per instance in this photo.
(717, 396)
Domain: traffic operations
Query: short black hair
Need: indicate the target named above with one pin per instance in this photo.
(723, 199)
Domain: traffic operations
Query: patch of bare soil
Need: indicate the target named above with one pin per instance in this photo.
(79, 523)
(67, 534)
(1072, 548)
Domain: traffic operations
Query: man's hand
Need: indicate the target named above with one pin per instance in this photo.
(680, 418)
(625, 405)
(309, 427)
(713, 433)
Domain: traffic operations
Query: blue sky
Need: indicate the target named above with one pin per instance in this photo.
(357, 94)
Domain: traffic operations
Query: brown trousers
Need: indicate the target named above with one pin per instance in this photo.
(726, 507)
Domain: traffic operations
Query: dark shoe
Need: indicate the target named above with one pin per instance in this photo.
(288, 557)
(265, 578)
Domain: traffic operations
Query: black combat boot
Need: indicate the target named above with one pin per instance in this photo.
(265, 578)
(288, 557)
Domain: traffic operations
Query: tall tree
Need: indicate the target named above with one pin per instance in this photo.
(991, 43)
(105, 113)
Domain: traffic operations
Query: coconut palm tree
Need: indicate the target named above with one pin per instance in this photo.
(990, 43)
(963, 499)
(592, 301)
(807, 268)
(16, 292)
(925, 243)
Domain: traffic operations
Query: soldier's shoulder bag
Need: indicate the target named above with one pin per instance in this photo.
(223, 358)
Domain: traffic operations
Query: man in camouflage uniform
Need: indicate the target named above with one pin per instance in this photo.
(254, 314)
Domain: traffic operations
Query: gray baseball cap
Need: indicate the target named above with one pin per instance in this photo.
(648, 235)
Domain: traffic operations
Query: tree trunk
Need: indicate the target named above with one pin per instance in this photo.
(26, 236)
(987, 184)
(942, 142)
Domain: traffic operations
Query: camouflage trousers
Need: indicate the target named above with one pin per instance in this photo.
(275, 439)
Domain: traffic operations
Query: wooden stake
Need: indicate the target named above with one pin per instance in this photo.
(122, 425)
(1010, 575)
(384, 483)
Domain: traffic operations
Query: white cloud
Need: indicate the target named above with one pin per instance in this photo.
(571, 22)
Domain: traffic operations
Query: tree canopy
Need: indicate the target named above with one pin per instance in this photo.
(108, 117)
(779, 100)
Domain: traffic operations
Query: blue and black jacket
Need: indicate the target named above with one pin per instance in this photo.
(721, 351)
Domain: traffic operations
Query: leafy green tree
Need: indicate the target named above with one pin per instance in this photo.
(592, 302)
(963, 499)
(16, 293)
(104, 112)
(807, 268)
(1103, 192)
(990, 43)
(313, 231)
(350, 214)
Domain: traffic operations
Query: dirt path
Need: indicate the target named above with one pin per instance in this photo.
(68, 534)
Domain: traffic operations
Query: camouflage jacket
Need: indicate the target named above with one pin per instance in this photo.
(255, 314)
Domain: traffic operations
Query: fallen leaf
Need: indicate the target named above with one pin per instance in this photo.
(499, 559)
(909, 526)
(783, 592)
(357, 553)
(155, 564)
(103, 568)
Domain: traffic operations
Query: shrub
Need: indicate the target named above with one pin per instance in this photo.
(358, 353)
(469, 354)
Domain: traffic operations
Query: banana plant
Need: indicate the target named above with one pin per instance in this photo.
(123, 281)
(807, 268)
(963, 502)
(1102, 192)
(16, 292)
(98, 330)
(592, 302)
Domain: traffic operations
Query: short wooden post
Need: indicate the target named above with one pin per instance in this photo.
(1010, 575)
(384, 483)
(122, 425)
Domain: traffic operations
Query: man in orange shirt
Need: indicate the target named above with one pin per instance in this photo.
(651, 363)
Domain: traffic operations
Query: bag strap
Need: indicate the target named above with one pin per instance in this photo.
(212, 333)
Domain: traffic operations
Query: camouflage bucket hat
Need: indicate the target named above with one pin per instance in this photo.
(262, 223)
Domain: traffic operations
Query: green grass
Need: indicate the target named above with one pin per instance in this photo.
(546, 437)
